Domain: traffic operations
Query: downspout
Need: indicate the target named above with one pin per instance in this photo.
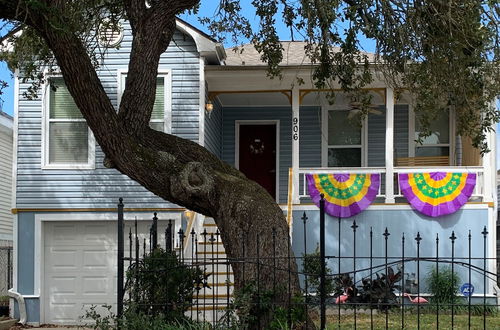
(20, 303)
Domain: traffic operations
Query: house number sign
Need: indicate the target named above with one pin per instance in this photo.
(295, 128)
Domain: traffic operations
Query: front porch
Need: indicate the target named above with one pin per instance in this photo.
(314, 135)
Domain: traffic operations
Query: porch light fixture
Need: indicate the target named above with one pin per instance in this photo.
(209, 107)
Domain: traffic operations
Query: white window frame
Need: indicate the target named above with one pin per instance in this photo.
(46, 164)
(324, 136)
(413, 145)
(164, 73)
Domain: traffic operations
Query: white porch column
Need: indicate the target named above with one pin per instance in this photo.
(489, 174)
(389, 145)
(295, 134)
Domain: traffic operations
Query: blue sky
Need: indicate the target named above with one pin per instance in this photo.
(208, 9)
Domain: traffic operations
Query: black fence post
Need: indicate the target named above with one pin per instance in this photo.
(453, 238)
(386, 302)
(304, 220)
(154, 232)
(119, 306)
(322, 261)
(437, 275)
(354, 226)
(168, 237)
(418, 239)
(485, 234)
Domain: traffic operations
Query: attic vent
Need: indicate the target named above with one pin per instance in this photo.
(110, 34)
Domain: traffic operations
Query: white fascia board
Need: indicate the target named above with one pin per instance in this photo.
(206, 47)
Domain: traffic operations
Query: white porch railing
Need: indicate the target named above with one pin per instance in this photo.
(479, 190)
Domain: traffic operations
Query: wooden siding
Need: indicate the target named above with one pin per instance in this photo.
(284, 115)
(213, 130)
(310, 137)
(100, 188)
(5, 185)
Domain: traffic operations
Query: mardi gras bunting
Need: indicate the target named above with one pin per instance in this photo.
(345, 194)
(437, 193)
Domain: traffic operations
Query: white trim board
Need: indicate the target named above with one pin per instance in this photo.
(202, 101)
(276, 122)
(79, 216)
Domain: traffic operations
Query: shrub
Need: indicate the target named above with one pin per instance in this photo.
(379, 292)
(312, 267)
(443, 285)
(162, 284)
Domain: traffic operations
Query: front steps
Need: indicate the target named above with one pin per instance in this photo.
(210, 303)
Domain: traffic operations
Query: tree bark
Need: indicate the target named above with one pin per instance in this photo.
(175, 169)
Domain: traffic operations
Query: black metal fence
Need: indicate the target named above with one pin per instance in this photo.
(360, 287)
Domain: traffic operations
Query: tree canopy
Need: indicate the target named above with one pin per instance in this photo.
(445, 52)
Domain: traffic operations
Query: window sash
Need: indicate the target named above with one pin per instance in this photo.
(67, 139)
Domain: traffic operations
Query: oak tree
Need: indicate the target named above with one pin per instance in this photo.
(444, 52)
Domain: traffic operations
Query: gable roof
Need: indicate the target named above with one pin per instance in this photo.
(293, 55)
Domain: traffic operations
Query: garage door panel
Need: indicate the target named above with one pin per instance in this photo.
(98, 233)
(63, 259)
(63, 312)
(63, 234)
(63, 285)
(98, 259)
(96, 285)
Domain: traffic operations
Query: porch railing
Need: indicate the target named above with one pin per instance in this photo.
(479, 190)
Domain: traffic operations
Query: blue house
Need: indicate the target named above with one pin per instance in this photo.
(274, 130)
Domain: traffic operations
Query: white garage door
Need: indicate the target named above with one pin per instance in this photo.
(80, 265)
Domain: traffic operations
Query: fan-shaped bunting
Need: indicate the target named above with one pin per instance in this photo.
(437, 193)
(345, 194)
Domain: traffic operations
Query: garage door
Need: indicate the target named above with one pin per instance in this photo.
(80, 268)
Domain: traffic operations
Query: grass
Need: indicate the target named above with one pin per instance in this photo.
(427, 321)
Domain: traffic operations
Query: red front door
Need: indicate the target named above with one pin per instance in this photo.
(257, 155)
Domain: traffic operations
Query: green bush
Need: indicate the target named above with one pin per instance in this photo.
(443, 286)
(312, 267)
(162, 284)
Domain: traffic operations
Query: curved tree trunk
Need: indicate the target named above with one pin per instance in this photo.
(175, 169)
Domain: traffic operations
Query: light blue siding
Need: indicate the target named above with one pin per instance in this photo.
(310, 137)
(25, 253)
(284, 115)
(213, 130)
(376, 138)
(398, 222)
(100, 188)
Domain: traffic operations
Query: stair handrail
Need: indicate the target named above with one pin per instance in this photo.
(195, 223)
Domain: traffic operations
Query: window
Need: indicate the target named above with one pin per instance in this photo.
(160, 117)
(68, 142)
(344, 146)
(438, 143)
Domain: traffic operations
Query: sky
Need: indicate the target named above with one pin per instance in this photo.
(207, 9)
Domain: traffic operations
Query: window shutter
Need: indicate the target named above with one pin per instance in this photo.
(62, 105)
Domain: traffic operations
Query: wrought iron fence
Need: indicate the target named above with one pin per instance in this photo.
(372, 279)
